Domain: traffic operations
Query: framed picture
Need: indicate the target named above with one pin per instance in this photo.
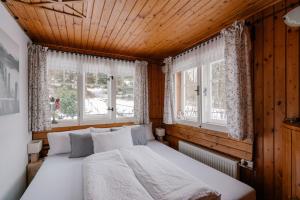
(9, 75)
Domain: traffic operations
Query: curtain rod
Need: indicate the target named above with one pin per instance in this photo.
(96, 53)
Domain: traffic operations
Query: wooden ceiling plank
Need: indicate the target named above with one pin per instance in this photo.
(60, 20)
(194, 37)
(45, 24)
(95, 21)
(156, 20)
(183, 28)
(70, 29)
(87, 23)
(30, 15)
(129, 20)
(112, 22)
(107, 11)
(22, 19)
(135, 32)
(130, 4)
(171, 28)
(182, 13)
(77, 30)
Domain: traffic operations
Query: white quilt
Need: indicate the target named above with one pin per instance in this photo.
(106, 176)
(139, 173)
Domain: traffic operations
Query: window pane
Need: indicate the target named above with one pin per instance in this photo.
(186, 95)
(124, 96)
(218, 101)
(96, 94)
(63, 95)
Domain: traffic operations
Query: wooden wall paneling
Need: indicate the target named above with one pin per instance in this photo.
(287, 159)
(296, 164)
(211, 139)
(292, 62)
(156, 94)
(279, 94)
(258, 103)
(268, 75)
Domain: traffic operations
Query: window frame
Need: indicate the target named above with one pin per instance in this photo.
(83, 119)
(211, 125)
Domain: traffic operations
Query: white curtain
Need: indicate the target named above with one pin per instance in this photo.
(38, 102)
(169, 99)
(86, 63)
(141, 106)
(238, 81)
(202, 54)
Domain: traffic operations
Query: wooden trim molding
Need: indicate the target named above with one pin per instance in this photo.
(214, 140)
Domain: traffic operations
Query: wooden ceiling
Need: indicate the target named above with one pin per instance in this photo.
(141, 28)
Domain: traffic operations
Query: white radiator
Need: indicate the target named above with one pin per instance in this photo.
(220, 162)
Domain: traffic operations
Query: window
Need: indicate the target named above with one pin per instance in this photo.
(213, 97)
(187, 102)
(124, 97)
(200, 94)
(63, 95)
(90, 96)
(96, 96)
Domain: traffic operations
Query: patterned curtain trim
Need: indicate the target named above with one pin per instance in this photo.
(141, 105)
(38, 103)
(169, 102)
(238, 81)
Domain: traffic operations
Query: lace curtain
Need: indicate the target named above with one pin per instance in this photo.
(202, 54)
(38, 105)
(141, 106)
(86, 63)
(112, 67)
(199, 56)
(238, 81)
(169, 99)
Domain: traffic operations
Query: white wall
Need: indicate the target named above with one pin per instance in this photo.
(14, 134)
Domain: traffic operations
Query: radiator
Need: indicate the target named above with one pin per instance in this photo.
(220, 162)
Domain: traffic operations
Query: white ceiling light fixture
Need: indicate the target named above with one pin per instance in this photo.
(292, 18)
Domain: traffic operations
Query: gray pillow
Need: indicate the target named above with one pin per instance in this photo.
(139, 135)
(81, 145)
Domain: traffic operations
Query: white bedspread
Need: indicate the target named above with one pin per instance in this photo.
(107, 176)
(162, 179)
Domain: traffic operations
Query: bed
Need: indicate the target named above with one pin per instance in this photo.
(60, 177)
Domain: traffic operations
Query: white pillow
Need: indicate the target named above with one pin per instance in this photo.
(100, 130)
(59, 142)
(149, 134)
(112, 140)
(147, 128)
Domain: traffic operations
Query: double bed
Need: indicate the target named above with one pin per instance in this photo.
(61, 177)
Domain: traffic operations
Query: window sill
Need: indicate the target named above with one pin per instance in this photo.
(208, 126)
(91, 122)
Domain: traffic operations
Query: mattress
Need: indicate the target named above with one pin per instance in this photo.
(60, 177)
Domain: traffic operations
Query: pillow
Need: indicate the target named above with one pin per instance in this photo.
(112, 140)
(100, 130)
(139, 135)
(81, 145)
(59, 142)
(149, 133)
(116, 128)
